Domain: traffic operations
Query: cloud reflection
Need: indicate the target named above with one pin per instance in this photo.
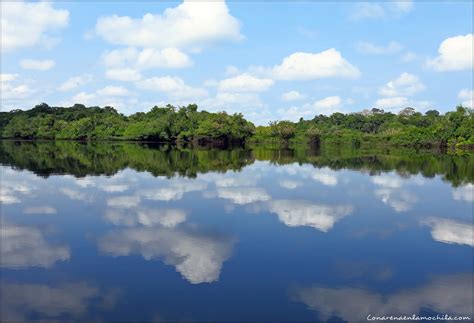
(196, 256)
(21, 301)
(451, 231)
(296, 213)
(24, 246)
(447, 294)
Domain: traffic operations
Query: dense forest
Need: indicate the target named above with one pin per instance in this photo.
(80, 159)
(188, 125)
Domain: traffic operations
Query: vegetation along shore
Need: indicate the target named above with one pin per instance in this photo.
(186, 124)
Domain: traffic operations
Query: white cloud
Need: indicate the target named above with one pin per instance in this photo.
(147, 58)
(369, 48)
(231, 70)
(199, 258)
(295, 213)
(189, 25)
(13, 89)
(389, 9)
(455, 54)
(123, 74)
(39, 65)
(399, 102)
(308, 66)
(467, 97)
(24, 246)
(292, 96)
(409, 57)
(8, 77)
(28, 24)
(325, 106)
(114, 91)
(404, 85)
(354, 304)
(245, 83)
(40, 210)
(75, 82)
(367, 10)
(173, 86)
(451, 231)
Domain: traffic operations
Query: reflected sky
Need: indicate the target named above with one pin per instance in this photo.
(266, 241)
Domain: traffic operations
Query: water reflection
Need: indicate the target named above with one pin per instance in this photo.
(445, 294)
(295, 213)
(197, 256)
(21, 302)
(210, 235)
(451, 231)
(24, 246)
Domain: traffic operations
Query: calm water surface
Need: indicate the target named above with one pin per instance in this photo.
(141, 232)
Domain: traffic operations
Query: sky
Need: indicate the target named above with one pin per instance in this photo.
(266, 60)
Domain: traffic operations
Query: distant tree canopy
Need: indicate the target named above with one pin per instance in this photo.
(187, 124)
(165, 124)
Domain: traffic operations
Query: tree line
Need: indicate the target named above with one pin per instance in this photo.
(186, 124)
(84, 158)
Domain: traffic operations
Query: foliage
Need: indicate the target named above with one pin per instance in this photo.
(186, 124)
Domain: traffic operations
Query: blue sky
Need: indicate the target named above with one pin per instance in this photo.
(274, 60)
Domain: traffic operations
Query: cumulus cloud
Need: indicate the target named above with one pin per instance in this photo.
(189, 25)
(172, 86)
(404, 85)
(399, 102)
(467, 97)
(295, 213)
(292, 96)
(451, 231)
(197, 257)
(111, 90)
(26, 24)
(372, 10)
(39, 65)
(309, 66)
(354, 304)
(373, 49)
(123, 74)
(146, 58)
(24, 247)
(13, 89)
(75, 82)
(455, 54)
(245, 83)
(325, 106)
